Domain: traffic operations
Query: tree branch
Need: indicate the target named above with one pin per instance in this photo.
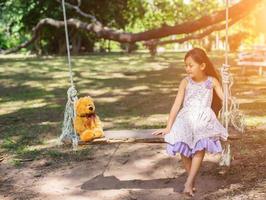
(206, 32)
(80, 12)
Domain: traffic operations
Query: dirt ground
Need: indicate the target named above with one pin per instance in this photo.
(32, 105)
(136, 171)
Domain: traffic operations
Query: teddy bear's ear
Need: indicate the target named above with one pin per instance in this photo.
(89, 98)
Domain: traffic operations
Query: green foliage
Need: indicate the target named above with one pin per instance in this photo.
(18, 17)
(10, 25)
(171, 12)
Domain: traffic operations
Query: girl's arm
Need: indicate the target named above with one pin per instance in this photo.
(175, 108)
(219, 91)
(218, 88)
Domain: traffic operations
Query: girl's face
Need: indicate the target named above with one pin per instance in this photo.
(194, 69)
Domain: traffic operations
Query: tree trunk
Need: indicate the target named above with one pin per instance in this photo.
(76, 43)
(62, 46)
(37, 46)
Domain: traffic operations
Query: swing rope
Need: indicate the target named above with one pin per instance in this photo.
(67, 43)
(226, 154)
(228, 114)
(68, 131)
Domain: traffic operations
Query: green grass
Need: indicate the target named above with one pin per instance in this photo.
(130, 91)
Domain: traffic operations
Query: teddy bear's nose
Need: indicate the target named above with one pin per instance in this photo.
(90, 108)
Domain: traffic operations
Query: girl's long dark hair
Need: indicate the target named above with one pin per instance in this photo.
(200, 56)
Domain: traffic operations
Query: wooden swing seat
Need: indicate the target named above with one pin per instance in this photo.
(128, 136)
(139, 136)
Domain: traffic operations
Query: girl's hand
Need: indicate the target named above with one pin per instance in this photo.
(161, 132)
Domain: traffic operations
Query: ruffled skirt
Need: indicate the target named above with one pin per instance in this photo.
(210, 145)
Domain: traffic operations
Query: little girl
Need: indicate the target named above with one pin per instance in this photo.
(194, 128)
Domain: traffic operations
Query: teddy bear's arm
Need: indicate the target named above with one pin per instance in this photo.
(98, 123)
(98, 130)
(79, 125)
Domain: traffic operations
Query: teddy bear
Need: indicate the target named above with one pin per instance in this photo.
(87, 124)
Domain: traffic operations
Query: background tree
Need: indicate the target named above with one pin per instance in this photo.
(161, 18)
(19, 17)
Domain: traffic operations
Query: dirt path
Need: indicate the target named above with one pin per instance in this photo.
(132, 171)
(117, 171)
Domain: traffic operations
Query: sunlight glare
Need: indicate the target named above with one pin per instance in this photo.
(186, 1)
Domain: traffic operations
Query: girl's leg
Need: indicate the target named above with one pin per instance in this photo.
(187, 165)
(195, 165)
(186, 162)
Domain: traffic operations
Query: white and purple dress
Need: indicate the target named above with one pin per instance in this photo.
(196, 126)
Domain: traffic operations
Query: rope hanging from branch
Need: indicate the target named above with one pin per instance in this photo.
(228, 114)
(68, 131)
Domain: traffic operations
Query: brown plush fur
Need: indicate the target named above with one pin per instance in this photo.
(87, 124)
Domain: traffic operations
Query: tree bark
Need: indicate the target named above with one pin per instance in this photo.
(61, 46)
(76, 42)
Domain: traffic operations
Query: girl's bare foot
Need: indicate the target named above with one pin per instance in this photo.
(193, 187)
(188, 190)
